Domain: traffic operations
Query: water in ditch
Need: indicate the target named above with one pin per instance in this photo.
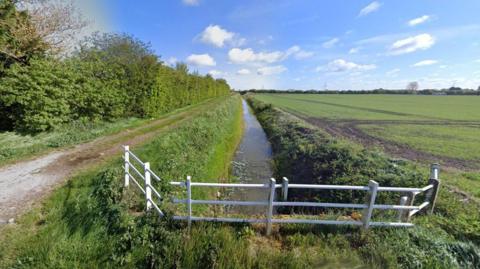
(252, 163)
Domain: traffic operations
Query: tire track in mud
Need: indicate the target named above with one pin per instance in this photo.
(349, 129)
(373, 110)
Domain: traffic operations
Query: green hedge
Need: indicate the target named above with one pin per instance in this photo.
(113, 76)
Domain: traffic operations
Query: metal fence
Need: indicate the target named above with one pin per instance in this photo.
(406, 207)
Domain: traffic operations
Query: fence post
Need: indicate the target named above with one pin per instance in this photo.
(127, 159)
(270, 206)
(148, 189)
(370, 202)
(410, 202)
(401, 213)
(285, 189)
(189, 201)
(431, 195)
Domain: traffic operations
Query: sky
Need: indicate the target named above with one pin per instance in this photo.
(330, 44)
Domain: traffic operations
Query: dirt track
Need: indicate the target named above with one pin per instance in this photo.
(24, 183)
(349, 129)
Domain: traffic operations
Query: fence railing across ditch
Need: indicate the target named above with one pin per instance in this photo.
(406, 207)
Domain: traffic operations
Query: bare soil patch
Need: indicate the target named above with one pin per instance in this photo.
(349, 129)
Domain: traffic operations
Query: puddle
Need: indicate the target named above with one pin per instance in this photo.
(251, 164)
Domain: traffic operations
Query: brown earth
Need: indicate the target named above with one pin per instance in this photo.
(349, 129)
(24, 183)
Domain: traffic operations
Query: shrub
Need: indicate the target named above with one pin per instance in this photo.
(35, 97)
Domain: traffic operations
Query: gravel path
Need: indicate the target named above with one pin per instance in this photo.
(26, 182)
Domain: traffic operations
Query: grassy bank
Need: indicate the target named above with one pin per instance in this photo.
(85, 223)
(16, 146)
(307, 155)
(92, 222)
(414, 127)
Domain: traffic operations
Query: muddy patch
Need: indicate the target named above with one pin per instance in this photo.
(349, 129)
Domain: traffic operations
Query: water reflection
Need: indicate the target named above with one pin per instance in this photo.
(251, 164)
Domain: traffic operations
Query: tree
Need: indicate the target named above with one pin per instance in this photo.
(139, 64)
(34, 97)
(412, 86)
(56, 22)
(19, 39)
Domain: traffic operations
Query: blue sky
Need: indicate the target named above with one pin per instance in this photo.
(309, 44)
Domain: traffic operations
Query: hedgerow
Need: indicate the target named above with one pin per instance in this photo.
(110, 77)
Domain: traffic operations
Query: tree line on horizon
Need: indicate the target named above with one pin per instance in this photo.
(106, 77)
(449, 91)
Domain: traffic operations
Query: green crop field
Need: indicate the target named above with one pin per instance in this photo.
(380, 107)
(428, 129)
(442, 125)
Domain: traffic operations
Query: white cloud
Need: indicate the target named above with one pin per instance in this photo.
(217, 36)
(330, 43)
(418, 20)
(237, 56)
(303, 55)
(215, 73)
(191, 2)
(201, 60)
(354, 50)
(443, 66)
(477, 61)
(265, 40)
(298, 53)
(243, 71)
(372, 7)
(425, 63)
(242, 56)
(411, 44)
(340, 65)
(271, 70)
(393, 72)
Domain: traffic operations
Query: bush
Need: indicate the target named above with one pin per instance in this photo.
(35, 97)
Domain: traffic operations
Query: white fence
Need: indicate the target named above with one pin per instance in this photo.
(405, 209)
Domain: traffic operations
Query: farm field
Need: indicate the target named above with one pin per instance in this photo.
(444, 129)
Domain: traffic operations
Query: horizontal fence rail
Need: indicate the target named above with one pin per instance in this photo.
(405, 209)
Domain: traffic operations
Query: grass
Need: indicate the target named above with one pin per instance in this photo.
(15, 146)
(379, 107)
(444, 126)
(80, 224)
(307, 155)
(458, 142)
(92, 222)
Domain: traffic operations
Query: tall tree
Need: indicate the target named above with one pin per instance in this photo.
(19, 39)
(57, 22)
(412, 86)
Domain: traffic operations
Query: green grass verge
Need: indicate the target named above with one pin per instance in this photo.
(15, 146)
(80, 224)
(307, 155)
(92, 222)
